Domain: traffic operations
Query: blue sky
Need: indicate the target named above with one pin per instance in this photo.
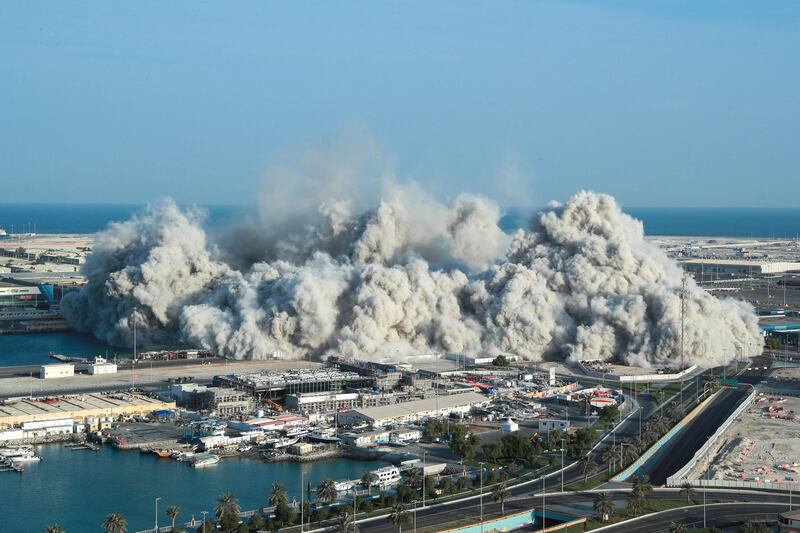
(659, 103)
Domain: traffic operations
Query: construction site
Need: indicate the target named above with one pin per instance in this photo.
(762, 445)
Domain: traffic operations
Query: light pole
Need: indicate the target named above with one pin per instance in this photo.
(204, 513)
(415, 515)
(544, 511)
(156, 527)
(562, 465)
(423, 478)
(302, 484)
(480, 474)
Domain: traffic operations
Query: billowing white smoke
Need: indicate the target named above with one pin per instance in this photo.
(410, 276)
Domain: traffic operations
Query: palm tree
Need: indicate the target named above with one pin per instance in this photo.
(415, 477)
(399, 516)
(501, 494)
(345, 523)
(641, 485)
(172, 513)
(688, 489)
(55, 528)
(227, 504)
(115, 523)
(368, 479)
(604, 505)
(610, 455)
(660, 424)
(277, 495)
(636, 502)
(588, 466)
(629, 452)
(326, 491)
(677, 527)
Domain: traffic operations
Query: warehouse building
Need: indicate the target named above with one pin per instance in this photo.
(275, 385)
(739, 267)
(56, 371)
(14, 413)
(414, 410)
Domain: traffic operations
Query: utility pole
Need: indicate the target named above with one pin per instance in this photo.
(683, 316)
(302, 490)
(562, 465)
(544, 509)
(156, 526)
(481, 476)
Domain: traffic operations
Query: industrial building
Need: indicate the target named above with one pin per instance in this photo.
(739, 267)
(56, 370)
(101, 366)
(78, 408)
(17, 295)
(224, 401)
(366, 439)
(414, 410)
(275, 385)
(333, 401)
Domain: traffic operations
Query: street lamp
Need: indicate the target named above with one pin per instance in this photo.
(544, 511)
(423, 478)
(156, 527)
(480, 474)
(302, 484)
(204, 513)
(562, 465)
(415, 515)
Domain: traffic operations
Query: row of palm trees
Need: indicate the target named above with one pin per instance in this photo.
(637, 500)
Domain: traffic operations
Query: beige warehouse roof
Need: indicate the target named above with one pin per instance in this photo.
(13, 412)
(420, 406)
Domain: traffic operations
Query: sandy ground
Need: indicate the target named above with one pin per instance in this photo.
(145, 377)
(763, 444)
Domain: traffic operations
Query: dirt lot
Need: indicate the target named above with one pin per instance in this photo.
(763, 444)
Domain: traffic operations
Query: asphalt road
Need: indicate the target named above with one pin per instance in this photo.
(685, 444)
(680, 450)
(716, 515)
(760, 505)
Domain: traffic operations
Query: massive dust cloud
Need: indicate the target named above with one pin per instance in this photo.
(412, 275)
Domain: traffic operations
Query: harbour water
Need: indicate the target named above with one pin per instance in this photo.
(34, 349)
(78, 488)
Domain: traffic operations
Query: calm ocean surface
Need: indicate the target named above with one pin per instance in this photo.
(718, 222)
(78, 488)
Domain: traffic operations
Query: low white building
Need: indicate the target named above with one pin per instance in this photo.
(46, 428)
(406, 435)
(56, 371)
(101, 366)
(552, 425)
(406, 412)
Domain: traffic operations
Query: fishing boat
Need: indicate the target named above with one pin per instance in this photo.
(163, 453)
(205, 459)
(21, 454)
(324, 435)
(283, 443)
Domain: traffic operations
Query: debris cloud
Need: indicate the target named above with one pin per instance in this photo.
(409, 276)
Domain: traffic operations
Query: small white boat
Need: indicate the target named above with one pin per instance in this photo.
(283, 443)
(345, 486)
(20, 454)
(324, 435)
(297, 432)
(206, 460)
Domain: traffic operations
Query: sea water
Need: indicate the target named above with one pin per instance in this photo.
(77, 488)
